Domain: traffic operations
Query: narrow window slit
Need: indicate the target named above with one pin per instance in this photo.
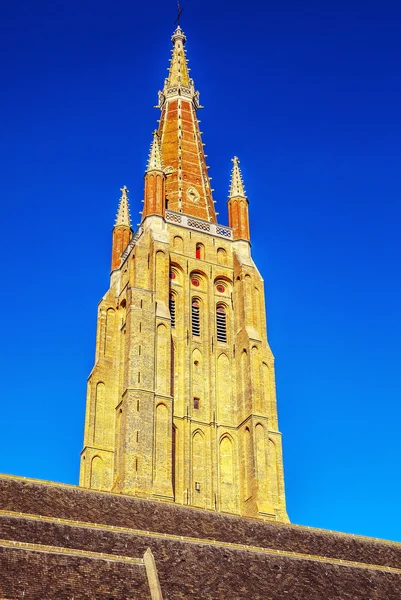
(221, 324)
(172, 309)
(195, 318)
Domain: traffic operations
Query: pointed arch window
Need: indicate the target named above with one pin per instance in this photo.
(172, 309)
(200, 251)
(195, 313)
(221, 256)
(221, 323)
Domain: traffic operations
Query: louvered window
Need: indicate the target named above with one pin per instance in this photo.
(195, 318)
(221, 324)
(172, 310)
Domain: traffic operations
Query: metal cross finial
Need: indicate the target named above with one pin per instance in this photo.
(177, 21)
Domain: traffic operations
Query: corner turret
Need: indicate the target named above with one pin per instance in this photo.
(155, 192)
(238, 217)
(122, 229)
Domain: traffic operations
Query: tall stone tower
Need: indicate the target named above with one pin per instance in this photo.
(181, 402)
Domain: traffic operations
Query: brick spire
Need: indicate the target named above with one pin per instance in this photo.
(188, 187)
(154, 202)
(238, 217)
(122, 230)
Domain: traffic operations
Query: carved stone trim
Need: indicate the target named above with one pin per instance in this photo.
(199, 225)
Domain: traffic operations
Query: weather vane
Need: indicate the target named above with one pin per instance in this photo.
(177, 21)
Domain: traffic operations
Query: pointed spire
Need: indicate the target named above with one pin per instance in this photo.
(237, 188)
(178, 71)
(155, 157)
(123, 218)
(187, 182)
(238, 217)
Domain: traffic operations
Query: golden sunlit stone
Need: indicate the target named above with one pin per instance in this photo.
(181, 401)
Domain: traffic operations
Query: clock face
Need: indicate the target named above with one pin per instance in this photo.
(193, 194)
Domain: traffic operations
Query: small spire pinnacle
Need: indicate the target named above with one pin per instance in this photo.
(123, 218)
(237, 188)
(155, 157)
(178, 35)
(178, 71)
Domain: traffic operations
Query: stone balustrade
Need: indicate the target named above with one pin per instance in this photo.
(199, 225)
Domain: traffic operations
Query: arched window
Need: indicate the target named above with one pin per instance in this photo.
(178, 243)
(195, 317)
(200, 251)
(123, 311)
(221, 323)
(221, 256)
(172, 309)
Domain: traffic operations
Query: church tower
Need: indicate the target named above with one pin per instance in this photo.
(181, 402)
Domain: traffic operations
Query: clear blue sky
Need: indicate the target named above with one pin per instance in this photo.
(308, 95)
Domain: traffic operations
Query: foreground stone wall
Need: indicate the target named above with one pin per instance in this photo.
(51, 534)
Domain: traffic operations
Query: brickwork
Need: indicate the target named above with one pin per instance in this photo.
(188, 187)
(181, 427)
(184, 409)
(75, 504)
(120, 240)
(263, 560)
(193, 571)
(143, 433)
(37, 575)
(191, 193)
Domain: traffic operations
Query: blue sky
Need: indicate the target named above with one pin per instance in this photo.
(308, 95)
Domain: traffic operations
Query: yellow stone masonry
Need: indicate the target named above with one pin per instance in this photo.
(181, 402)
(181, 417)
